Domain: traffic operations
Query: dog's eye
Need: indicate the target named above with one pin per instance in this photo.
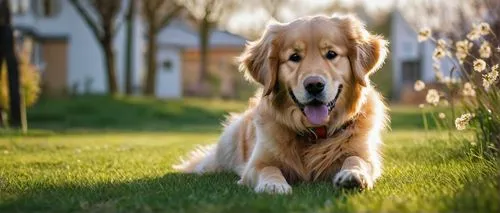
(294, 57)
(330, 55)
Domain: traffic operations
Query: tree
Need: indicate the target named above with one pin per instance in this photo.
(455, 21)
(129, 43)
(157, 15)
(101, 19)
(7, 52)
(208, 13)
(274, 7)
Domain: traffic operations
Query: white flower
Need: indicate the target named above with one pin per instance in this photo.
(432, 97)
(490, 78)
(474, 35)
(421, 106)
(484, 28)
(485, 50)
(479, 65)
(462, 121)
(419, 85)
(441, 43)
(439, 53)
(424, 34)
(468, 90)
(461, 57)
(439, 76)
(442, 115)
(463, 48)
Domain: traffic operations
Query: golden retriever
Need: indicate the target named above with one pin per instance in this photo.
(317, 117)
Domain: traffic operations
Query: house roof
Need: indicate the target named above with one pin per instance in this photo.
(179, 34)
(30, 31)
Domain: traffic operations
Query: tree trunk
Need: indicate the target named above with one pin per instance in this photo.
(109, 60)
(150, 81)
(204, 54)
(7, 52)
(129, 43)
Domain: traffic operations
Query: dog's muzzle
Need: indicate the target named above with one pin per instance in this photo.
(330, 104)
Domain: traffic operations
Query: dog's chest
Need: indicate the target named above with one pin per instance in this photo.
(315, 162)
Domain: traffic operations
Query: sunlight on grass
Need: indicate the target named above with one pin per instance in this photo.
(62, 171)
(128, 168)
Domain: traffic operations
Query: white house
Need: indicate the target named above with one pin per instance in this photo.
(65, 48)
(178, 49)
(71, 60)
(411, 60)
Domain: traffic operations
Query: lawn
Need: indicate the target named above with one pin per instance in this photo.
(98, 154)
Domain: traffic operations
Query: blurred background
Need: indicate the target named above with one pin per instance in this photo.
(176, 50)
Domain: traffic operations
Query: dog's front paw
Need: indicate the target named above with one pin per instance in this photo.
(273, 188)
(352, 179)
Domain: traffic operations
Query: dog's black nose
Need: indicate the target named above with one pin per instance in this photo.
(314, 85)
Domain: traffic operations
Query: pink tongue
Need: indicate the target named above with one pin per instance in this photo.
(316, 114)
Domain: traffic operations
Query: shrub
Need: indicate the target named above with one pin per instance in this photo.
(475, 92)
(29, 80)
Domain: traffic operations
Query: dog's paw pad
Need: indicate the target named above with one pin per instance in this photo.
(352, 179)
(273, 188)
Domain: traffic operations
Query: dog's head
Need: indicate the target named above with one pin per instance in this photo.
(315, 63)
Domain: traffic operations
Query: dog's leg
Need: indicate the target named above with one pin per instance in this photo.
(267, 179)
(271, 180)
(355, 173)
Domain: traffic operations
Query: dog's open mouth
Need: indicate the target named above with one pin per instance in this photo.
(317, 111)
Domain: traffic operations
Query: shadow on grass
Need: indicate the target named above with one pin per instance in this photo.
(218, 193)
(171, 193)
(101, 113)
(467, 200)
(98, 114)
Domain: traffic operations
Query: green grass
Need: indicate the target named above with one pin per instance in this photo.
(79, 161)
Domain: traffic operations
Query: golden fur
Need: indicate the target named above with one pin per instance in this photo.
(262, 144)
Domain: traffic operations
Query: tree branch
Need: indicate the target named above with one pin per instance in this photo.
(88, 20)
(169, 16)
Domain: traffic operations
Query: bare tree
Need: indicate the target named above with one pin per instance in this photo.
(208, 14)
(454, 21)
(7, 52)
(286, 10)
(101, 17)
(157, 15)
(129, 43)
(274, 7)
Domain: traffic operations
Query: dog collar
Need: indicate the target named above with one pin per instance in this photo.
(318, 133)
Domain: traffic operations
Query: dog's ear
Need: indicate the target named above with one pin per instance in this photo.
(367, 52)
(260, 59)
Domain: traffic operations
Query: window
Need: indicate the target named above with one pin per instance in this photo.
(167, 65)
(36, 56)
(19, 7)
(411, 71)
(47, 8)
